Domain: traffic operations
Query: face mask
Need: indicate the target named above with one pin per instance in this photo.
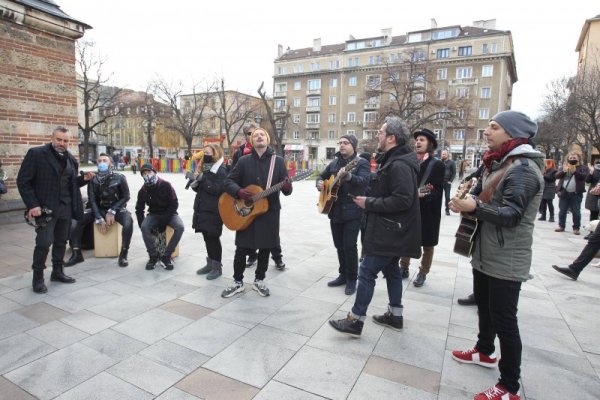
(102, 167)
(572, 162)
(150, 180)
(208, 158)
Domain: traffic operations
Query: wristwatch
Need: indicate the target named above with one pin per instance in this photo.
(113, 212)
(99, 221)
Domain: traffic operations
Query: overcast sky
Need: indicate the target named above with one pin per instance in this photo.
(193, 40)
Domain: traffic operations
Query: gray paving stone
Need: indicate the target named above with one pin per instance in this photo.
(125, 307)
(185, 309)
(12, 323)
(466, 378)
(418, 350)
(114, 345)
(207, 336)
(10, 391)
(543, 381)
(60, 371)
(321, 372)
(209, 296)
(88, 321)
(174, 356)
(81, 299)
(146, 374)
(276, 391)
(176, 394)
(167, 290)
(19, 350)
(7, 305)
(142, 278)
(244, 313)
(5, 289)
(250, 361)
(372, 387)
(289, 340)
(301, 315)
(105, 386)
(152, 325)
(18, 281)
(42, 312)
(57, 334)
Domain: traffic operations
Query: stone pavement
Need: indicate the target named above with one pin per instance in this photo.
(128, 333)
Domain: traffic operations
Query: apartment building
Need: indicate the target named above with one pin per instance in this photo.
(459, 77)
(588, 46)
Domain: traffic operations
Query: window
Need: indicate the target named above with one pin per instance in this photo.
(351, 132)
(313, 135)
(464, 72)
(313, 102)
(487, 70)
(315, 66)
(332, 100)
(395, 58)
(437, 133)
(296, 135)
(353, 62)
(417, 55)
(334, 64)
(281, 70)
(369, 134)
(314, 84)
(445, 34)
(375, 60)
(486, 93)
(331, 117)
(370, 116)
(281, 87)
(460, 113)
(441, 94)
(313, 118)
(480, 133)
(296, 118)
(459, 134)
(443, 53)
(488, 48)
(298, 68)
(465, 51)
(297, 85)
(296, 101)
(352, 81)
(351, 117)
(442, 74)
(331, 135)
(352, 99)
(484, 113)
(280, 103)
(373, 81)
(330, 152)
(333, 82)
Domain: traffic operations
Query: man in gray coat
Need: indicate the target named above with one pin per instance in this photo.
(506, 202)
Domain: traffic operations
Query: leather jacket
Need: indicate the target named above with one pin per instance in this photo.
(110, 193)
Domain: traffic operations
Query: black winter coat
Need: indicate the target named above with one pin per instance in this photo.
(431, 204)
(206, 205)
(160, 198)
(38, 180)
(251, 169)
(393, 220)
(549, 184)
(591, 200)
(112, 193)
(344, 209)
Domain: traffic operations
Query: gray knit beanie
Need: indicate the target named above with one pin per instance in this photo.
(516, 124)
(352, 139)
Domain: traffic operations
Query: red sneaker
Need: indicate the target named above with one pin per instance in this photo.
(473, 356)
(497, 392)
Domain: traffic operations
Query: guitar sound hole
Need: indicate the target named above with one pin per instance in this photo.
(244, 211)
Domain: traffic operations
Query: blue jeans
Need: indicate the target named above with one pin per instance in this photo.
(570, 201)
(369, 268)
(345, 235)
(447, 189)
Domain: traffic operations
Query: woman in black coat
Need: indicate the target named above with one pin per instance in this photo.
(549, 191)
(209, 187)
(591, 200)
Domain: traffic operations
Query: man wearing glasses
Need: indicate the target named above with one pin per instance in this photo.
(345, 216)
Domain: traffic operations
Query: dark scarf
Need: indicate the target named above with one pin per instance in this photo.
(490, 156)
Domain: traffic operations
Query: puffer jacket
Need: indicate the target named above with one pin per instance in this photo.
(393, 220)
(503, 244)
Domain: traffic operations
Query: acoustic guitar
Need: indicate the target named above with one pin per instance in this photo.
(468, 227)
(331, 186)
(238, 214)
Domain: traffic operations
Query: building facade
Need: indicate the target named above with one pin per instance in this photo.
(588, 46)
(449, 79)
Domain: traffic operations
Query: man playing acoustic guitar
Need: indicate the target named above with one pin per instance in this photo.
(263, 232)
(506, 205)
(344, 215)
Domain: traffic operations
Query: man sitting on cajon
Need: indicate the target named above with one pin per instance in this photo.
(108, 194)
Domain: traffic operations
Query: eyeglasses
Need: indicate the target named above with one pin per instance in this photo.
(345, 143)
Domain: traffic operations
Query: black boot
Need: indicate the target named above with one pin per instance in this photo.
(123, 258)
(58, 275)
(38, 281)
(76, 258)
(542, 217)
(551, 218)
(279, 264)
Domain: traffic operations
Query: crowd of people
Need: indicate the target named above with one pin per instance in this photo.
(397, 208)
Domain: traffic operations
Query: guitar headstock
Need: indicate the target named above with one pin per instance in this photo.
(465, 188)
(351, 165)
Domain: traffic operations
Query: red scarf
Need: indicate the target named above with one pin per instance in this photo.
(247, 149)
(506, 147)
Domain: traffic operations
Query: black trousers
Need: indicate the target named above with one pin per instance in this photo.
(239, 263)
(497, 301)
(213, 247)
(546, 203)
(275, 254)
(447, 189)
(55, 234)
(588, 253)
(345, 235)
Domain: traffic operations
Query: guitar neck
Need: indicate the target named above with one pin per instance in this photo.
(275, 188)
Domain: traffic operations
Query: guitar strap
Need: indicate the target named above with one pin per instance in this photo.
(271, 169)
(486, 194)
(427, 172)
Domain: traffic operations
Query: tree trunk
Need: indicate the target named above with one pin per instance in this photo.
(86, 147)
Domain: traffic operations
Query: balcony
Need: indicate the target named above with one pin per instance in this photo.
(313, 125)
(371, 106)
(313, 108)
(280, 94)
(463, 82)
(312, 140)
(278, 110)
(313, 92)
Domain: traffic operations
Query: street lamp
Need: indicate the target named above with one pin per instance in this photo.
(258, 118)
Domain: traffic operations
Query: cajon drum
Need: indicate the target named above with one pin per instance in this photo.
(170, 232)
(108, 244)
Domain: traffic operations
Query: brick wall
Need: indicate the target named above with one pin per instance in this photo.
(37, 92)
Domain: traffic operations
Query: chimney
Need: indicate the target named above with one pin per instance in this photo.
(317, 44)
(387, 35)
(433, 23)
(485, 23)
(279, 50)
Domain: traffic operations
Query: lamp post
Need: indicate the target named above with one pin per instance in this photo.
(258, 118)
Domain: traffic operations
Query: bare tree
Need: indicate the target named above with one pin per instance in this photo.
(187, 110)
(278, 122)
(233, 109)
(96, 94)
(585, 102)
